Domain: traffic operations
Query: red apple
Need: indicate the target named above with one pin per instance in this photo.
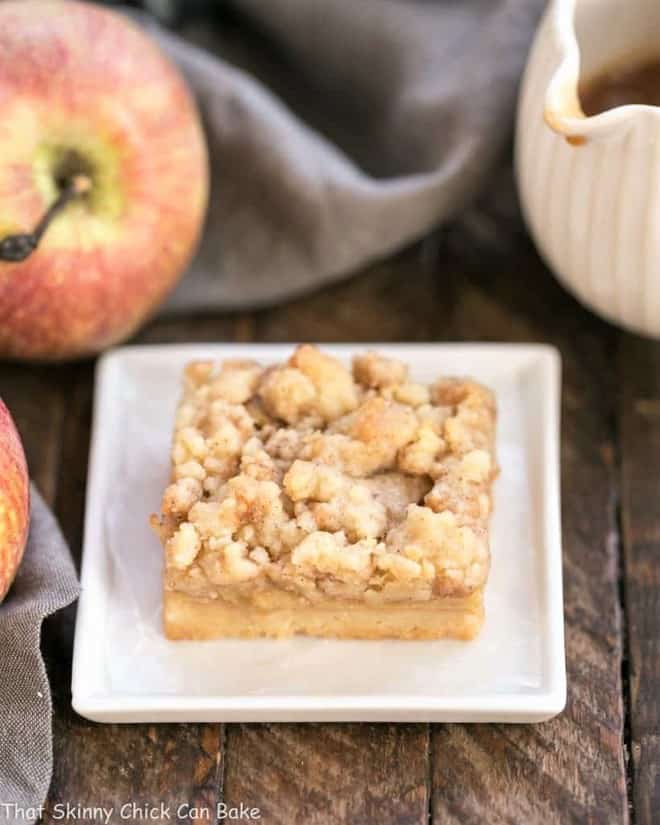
(14, 500)
(85, 95)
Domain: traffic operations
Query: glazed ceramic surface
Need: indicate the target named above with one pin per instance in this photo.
(590, 186)
(126, 671)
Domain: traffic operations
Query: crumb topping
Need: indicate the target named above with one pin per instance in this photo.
(324, 481)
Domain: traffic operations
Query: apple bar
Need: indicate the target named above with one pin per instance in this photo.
(310, 498)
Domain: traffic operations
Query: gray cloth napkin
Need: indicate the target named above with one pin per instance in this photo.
(340, 132)
(46, 581)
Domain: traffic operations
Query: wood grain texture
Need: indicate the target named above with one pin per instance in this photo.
(317, 774)
(571, 769)
(142, 765)
(478, 280)
(640, 507)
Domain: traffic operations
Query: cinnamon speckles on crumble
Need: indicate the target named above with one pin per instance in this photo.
(326, 482)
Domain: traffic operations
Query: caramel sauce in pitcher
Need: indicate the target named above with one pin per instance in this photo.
(628, 83)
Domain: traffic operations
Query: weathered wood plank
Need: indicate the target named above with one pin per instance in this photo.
(114, 765)
(570, 769)
(317, 774)
(395, 300)
(210, 328)
(156, 768)
(640, 509)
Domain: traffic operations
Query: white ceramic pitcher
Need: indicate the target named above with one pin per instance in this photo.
(590, 186)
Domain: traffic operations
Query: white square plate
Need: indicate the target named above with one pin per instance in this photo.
(126, 671)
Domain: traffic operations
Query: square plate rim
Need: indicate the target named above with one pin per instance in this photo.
(505, 707)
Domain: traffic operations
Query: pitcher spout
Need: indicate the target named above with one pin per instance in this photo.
(585, 46)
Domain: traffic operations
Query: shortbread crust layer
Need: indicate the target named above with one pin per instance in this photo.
(189, 618)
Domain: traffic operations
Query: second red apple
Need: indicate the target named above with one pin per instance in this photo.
(14, 500)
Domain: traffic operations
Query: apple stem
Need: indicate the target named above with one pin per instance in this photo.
(16, 248)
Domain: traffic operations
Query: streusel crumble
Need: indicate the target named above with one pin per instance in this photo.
(309, 498)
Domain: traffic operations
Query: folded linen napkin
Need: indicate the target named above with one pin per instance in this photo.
(339, 131)
(46, 581)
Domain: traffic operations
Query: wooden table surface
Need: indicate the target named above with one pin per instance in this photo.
(599, 761)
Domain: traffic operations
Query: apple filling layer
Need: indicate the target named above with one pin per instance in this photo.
(309, 498)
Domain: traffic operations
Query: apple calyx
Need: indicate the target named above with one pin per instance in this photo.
(16, 248)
